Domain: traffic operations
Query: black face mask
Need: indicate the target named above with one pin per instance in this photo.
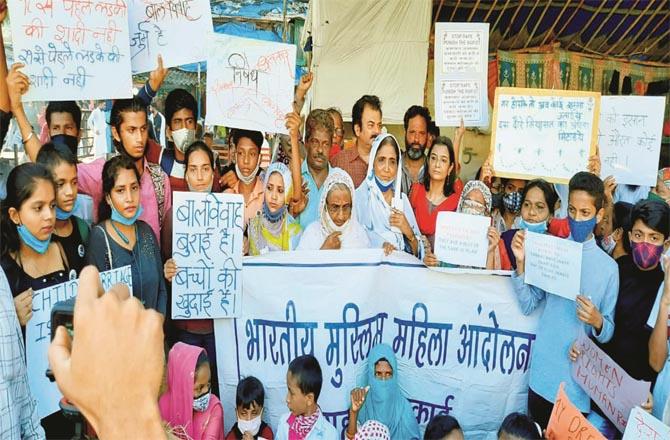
(496, 201)
(70, 141)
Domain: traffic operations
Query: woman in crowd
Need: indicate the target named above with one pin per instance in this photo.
(200, 176)
(382, 209)
(188, 406)
(70, 231)
(475, 200)
(440, 189)
(337, 227)
(538, 202)
(612, 231)
(505, 215)
(380, 398)
(274, 229)
(120, 239)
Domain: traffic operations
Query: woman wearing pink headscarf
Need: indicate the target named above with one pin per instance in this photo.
(188, 406)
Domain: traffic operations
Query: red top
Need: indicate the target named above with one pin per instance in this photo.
(424, 217)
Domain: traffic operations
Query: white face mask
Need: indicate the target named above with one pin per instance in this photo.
(201, 403)
(608, 244)
(182, 138)
(252, 426)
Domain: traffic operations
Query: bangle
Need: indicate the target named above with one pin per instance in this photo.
(350, 436)
(28, 138)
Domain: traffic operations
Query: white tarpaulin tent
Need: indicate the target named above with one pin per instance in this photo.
(370, 47)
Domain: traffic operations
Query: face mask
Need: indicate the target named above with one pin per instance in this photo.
(580, 230)
(65, 215)
(273, 217)
(496, 201)
(70, 141)
(414, 153)
(182, 138)
(201, 403)
(250, 178)
(539, 228)
(608, 244)
(473, 207)
(39, 246)
(384, 185)
(209, 188)
(646, 255)
(117, 217)
(252, 426)
(512, 202)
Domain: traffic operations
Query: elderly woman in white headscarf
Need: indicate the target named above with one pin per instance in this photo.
(337, 227)
(274, 229)
(382, 209)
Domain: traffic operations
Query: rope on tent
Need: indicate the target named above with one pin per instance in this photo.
(525, 22)
(537, 24)
(623, 19)
(553, 26)
(630, 28)
(602, 23)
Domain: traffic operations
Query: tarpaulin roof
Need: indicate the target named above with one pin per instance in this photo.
(259, 9)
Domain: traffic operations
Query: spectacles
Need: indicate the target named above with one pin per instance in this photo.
(334, 209)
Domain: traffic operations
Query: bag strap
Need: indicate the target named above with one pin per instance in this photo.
(109, 250)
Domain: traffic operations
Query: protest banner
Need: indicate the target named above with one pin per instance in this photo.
(463, 346)
(462, 238)
(553, 264)
(38, 335)
(175, 29)
(629, 138)
(566, 422)
(207, 234)
(543, 133)
(461, 74)
(608, 385)
(75, 49)
(643, 426)
(250, 83)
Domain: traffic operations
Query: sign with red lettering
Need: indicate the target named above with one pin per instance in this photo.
(608, 385)
(567, 423)
(72, 49)
(644, 426)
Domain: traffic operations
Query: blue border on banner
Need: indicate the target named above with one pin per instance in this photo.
(237, 350)
(306, 265)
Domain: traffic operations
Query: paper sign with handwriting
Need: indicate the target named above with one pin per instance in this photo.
(72, 49)
(461, 74)
(207, 233)
(643, 426)
(462, 238)
(250, 83)
(608, 385)
(175, 29)
(629, 137)
(38, 335)
(566, 422)
(543, 133)
(553, 264)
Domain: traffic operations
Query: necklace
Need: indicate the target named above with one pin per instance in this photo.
(119, 233)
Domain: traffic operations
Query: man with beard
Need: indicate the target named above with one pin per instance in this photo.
(417, 120)
(315, 169)
(366, 118)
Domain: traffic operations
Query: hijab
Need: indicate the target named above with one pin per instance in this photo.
(176, 404)
(476, 185)
(385, 401)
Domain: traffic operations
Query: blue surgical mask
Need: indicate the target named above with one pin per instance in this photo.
(580, 230)
(65, 215)
(39, 246)
(384, 185)
(273, 217)
(117, 217)
(201, 403)
(539, 228)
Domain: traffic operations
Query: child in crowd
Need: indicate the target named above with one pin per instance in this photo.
(305, 419)
(517, 426)
(443, 427)
(249, 402)
(188, 405)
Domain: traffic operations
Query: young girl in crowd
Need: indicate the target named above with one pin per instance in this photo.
(440, 189)
(120, 239)
(443, 427)
(337, 226)
(382, 209)
(200, 177)
(517, 426)
(274, 229)
(249, 403)
(505, 215)
(188, 407)
(612, 231)
(70, 231)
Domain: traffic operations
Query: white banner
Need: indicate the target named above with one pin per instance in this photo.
(38, 335)
(462, 344)
(207, 230)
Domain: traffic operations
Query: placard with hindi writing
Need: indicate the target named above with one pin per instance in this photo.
(207, 240)
(72, 49)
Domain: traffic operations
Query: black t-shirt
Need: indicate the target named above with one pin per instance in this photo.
(629, 346)
(74, 246)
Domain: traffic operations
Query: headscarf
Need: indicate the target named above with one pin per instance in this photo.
(336, 175)
(176, 404)
(372, 210)
(372, 430)
(473, 185)
(283, 170)
(385, 402)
